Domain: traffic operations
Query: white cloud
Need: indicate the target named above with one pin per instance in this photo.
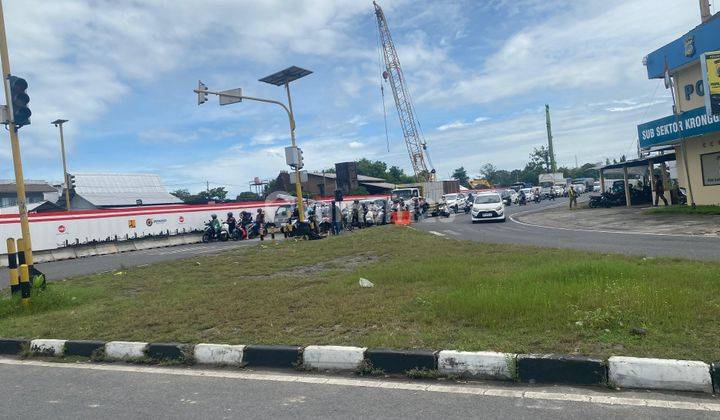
(355, 145)
(453, 125)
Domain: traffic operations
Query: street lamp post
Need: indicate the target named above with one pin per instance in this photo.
(284, 77)
(280, 78)
(59, 123)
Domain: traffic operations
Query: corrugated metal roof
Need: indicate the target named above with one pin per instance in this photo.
(107, 190)
(31, 186)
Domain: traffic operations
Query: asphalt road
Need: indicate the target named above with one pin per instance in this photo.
(35, 389)
(58, 270)
(461, 227)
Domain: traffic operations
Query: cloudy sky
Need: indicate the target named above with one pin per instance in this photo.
(480, 72)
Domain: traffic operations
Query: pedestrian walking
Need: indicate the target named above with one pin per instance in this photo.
(659, 191)
(573, 197)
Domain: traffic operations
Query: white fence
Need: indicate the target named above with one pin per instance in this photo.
(61, 229)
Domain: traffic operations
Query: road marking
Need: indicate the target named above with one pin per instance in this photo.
(452, 232)
(371, 383)
(437, 233)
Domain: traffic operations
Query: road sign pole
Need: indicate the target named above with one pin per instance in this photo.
(15, 144)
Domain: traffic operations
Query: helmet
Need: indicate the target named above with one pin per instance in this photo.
(259, 210)
(229, 214)
(214, 216)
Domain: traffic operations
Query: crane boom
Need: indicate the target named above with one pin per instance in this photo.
(416, 145)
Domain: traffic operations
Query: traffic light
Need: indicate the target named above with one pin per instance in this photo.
(300, 162)
(71, 182)
(202, 93)
(19, 99)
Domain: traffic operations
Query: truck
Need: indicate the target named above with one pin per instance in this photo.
(547, 182)
(430, 192)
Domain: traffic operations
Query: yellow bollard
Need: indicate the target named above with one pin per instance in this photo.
(12, 266)
(25, 285)
(20, 251)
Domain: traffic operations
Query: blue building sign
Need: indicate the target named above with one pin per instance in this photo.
(685, 50)
(667, 130)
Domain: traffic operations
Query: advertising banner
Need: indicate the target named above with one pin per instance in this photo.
(710, 163)
(710, 63)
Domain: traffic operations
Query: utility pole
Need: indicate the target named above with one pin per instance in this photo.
(705, 14)
(15, 146)
(553, 165)
(59, 123)
(207, 188)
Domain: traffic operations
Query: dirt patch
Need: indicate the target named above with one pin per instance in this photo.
(343, 264)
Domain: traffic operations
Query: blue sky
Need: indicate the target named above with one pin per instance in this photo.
(480, 73)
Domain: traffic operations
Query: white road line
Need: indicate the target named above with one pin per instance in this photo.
(437, 233)
(369, 383)
(452, 232)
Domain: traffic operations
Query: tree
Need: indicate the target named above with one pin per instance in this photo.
(359, 190)
(183, 194)
(540, 158)
(377, 169)
(247, 195)
(461, 175)
(487, 171)
(216, 194)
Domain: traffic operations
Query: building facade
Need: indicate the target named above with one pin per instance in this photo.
(691, 130)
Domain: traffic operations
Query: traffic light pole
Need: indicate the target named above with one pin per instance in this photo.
(15, 144)
(291, 119)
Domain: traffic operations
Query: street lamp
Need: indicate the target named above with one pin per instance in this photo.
(283, 77)
(59, 123)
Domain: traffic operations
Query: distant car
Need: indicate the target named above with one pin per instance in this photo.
(520, 185)
(454, 201)
(509, 196)
(559, 190)
(579, 188)
(488, 206)
(596, 186)
(529, 193)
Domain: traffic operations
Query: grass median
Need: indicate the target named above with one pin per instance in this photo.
(429, 292)
(683, 209)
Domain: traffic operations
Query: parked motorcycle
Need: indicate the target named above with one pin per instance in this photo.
(443, 210)
(209, 234)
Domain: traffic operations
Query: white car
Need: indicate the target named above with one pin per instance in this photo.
(559, 190)
(455, 201)
(488, 206)
(529, 193)
(579, 188)
(596, 186)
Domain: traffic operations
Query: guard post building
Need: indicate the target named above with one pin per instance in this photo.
(692, 62)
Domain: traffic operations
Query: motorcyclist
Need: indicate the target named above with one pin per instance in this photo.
(232, 223)
(260, 223)
(522, 200)
(215, 224)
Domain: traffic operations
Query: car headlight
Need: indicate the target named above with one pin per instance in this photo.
(498, 209)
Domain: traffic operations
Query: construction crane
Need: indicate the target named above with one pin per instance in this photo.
(416, 145)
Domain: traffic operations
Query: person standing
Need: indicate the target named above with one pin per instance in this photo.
(573, 197)
(336, 216)
(659, 191)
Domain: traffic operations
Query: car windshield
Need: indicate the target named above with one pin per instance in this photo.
(450, 197)
(402, 193)
(487, 199)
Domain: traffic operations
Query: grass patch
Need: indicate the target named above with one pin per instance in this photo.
(429, 293)
(682, 209)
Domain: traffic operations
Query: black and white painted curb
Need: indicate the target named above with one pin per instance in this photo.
(616, 372)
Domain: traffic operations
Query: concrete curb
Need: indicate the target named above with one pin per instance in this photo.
(47, 347)
(401, 361)
(664, 374)
(125, 350)
(561, 369)
(481, 365)
(625, 372)
(272, 356)
(219, 354)
(715, 376)
(333, 357)
(166, 351)
(13, 345)
(85, 348)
